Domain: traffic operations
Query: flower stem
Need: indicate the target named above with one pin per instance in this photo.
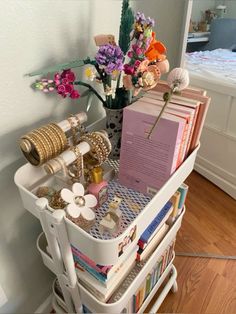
(92, 90)
(161, 113)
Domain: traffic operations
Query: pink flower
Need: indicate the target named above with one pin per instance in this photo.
(130, 54)
(143, 66)
(61, 88)
(128, 69)
(137, 63)
(64, 81)
(64, 73)
(70, 76)
(68, 89)
(134, 47)
(57, 77)
(74, 94)
(151, 77)
(139, 51)
(57, 82)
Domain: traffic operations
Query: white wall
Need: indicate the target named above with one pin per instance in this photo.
(169, 16)
(199, 7)
(35, 34)
(230, 8)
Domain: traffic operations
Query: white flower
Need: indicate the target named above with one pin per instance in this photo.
(90, 73)
(178, 79)
(79, 204)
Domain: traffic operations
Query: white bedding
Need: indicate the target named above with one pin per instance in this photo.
(218, 64)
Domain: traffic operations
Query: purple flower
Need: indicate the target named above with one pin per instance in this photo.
(110, 58)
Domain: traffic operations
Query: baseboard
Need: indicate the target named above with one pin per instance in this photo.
(46, 306)
(223, 184)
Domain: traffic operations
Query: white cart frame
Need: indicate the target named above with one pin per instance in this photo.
(60, 235)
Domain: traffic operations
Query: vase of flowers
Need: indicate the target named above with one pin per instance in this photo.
(114, 119)
(125, 69)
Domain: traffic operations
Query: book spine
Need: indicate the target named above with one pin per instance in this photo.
(90, 270)
(148, 285)
(175, 201)
(199, 124)
(183, 189)
(137, 301)
(192, 130)
(159, 268)
(153, 276)
(163, 266)
(142, 294)
(145, 236)
(178, 147)
(182, 144)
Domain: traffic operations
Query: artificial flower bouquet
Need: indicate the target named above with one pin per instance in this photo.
(124, 69)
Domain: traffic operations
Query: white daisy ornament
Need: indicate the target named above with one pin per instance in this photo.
(79, 204)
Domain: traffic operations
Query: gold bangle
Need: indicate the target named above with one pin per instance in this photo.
(56, 143)
(42, 146)
(45, 143)
(35, 156)
(95, 151)
(61, 135)
(100, 142)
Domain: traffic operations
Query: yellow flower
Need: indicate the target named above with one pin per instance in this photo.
(90, 73)
(115, 74)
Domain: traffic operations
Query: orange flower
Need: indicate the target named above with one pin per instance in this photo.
(156, 50)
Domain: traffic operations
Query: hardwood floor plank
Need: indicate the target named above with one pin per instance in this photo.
(206, 285)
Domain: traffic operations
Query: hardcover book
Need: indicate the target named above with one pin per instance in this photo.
(147, 163)
(180, 105)
(193, 94)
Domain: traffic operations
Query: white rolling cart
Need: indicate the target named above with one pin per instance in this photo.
(59, 233)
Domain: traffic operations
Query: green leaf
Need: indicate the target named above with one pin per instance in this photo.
(126, 25)
(62, 66)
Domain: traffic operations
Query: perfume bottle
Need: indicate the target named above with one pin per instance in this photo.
(98, 187)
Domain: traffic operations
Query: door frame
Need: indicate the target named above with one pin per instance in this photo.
(184, 32)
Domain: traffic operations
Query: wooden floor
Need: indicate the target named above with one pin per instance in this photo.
(206, 285)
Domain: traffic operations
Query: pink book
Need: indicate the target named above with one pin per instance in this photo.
(193, 94)
(146, 164)
(177, 111)
(180, 103)
(162, 86)
(204, 105)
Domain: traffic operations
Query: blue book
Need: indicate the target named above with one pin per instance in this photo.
(90, 270)
(155, 223)
(183, 189)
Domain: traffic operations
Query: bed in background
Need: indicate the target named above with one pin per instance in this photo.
(214, 70)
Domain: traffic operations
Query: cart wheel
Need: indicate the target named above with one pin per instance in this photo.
(174, 288)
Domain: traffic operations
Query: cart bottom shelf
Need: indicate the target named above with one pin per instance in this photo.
(60, 307)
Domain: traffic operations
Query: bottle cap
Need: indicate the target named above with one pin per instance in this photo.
(97, 175)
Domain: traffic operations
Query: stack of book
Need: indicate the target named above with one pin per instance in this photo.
(151, 279)
(148, 284)
(154, 233)
(178, 201)
(147, 163)
(102, 281)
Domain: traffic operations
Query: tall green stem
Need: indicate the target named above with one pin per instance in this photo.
(92, 90)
